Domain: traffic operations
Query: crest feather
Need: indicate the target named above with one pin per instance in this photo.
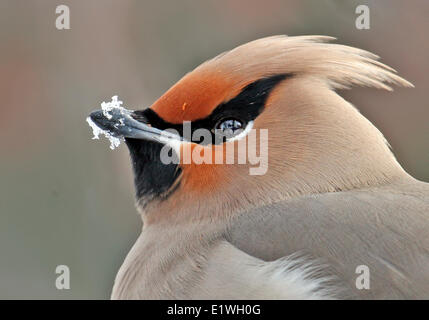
(341, 66)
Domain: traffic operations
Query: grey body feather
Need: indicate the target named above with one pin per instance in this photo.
(384, 228)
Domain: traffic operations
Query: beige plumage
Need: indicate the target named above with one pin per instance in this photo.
(334, 197)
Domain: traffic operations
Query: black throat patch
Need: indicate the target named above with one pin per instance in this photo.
(152, 178)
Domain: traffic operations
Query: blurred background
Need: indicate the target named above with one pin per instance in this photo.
(67, 199)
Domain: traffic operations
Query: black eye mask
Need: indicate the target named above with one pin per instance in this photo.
(245, 107)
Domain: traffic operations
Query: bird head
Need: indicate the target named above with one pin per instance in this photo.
(278, 95)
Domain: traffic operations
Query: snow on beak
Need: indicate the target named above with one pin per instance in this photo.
(116, 122)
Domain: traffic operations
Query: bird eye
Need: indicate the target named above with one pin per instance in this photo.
(229, 127)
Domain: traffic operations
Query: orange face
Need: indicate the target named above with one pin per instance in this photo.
(210, 101)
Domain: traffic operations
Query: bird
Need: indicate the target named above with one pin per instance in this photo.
(330, 215)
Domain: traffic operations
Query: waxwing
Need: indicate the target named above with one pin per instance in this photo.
(256, 180)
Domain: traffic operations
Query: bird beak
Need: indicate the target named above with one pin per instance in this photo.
(119, 122)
